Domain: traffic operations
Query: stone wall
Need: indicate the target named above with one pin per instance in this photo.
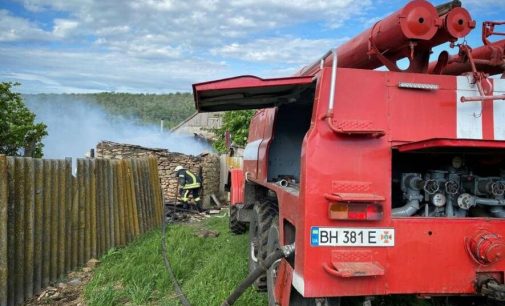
(167, 161)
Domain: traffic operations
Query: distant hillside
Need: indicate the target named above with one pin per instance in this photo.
(144, 108)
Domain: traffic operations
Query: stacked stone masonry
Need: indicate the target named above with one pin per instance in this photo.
(167, 161)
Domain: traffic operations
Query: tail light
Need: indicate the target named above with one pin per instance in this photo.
(355, 211)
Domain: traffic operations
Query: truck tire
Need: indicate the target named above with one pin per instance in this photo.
(272, 245)
(264, 213)
(236, 226)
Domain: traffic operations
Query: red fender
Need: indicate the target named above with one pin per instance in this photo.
(237, 186)
(283, 283)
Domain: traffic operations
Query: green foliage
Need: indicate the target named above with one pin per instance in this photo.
(237, 123)
(208, 269)
(18, 130)
(144, 108)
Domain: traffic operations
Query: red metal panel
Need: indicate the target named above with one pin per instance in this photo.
(269, 124)
(237, 186)
(421, 114)
(354, 269)
(256, 130)
(244, 92)
(422, 246)
(330, 159)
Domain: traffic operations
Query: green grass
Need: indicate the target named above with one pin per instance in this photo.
(207, 268)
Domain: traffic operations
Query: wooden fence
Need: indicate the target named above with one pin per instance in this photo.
(52, 222)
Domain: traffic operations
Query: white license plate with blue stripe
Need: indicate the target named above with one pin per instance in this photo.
(342, 236)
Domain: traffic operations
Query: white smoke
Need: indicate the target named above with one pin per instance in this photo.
(75, 127)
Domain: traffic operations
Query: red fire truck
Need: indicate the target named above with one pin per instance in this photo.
(387, 181)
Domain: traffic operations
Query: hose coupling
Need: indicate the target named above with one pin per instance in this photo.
(288, 249)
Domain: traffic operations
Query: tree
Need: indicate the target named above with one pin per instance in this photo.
(19, 134)
(237, 124)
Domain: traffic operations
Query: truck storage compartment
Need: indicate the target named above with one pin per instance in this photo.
(292, 121)
(449, 178)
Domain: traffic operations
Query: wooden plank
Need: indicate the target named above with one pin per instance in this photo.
(93, 210)
(19, 232)
(99, 207)
(62, 217)
(39, 224)
(55, 207)
(126, 206)
(11, 232)
(3, 230)
(129, 200)
(161, 198)
(87, 210)
(115, 203)
(149, 194)
(106, 206)
(110, 205)
(81, 213)
(29, 196)
(102, 198)
(134, 199)
(139, 196)
(46, 236)
(157, 190)
(120, 202)
(143, 192)
(74, 257)
(69, 179)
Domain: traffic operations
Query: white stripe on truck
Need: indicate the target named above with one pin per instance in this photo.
(499, 110)
(469, 115)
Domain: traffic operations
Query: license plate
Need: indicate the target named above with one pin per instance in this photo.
(341, 236)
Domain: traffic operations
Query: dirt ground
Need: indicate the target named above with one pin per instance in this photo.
(69, 291)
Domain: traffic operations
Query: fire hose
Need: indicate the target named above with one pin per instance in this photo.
(180, 294)
(279, 253)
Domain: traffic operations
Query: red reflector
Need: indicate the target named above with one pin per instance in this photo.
(355, 211)
(374, 212)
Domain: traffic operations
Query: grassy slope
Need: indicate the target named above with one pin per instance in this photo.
(207, 268)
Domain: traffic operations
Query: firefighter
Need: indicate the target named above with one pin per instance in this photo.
(189, 184)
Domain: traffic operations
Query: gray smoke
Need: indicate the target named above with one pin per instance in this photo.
(74, 127)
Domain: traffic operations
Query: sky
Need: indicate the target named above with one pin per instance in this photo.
(163, 46)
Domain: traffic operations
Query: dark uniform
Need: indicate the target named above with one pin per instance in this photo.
(189, 184)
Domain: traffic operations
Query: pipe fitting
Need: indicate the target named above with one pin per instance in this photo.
(283, 183)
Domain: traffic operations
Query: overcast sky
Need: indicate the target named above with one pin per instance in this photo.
(161, 46)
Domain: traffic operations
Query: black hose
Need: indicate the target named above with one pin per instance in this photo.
(249, 280)
(190, 211)
(177, 287)
(182, 298)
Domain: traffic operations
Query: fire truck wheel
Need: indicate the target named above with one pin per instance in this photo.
(272, 245)
(236, 226)
(264, 212)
